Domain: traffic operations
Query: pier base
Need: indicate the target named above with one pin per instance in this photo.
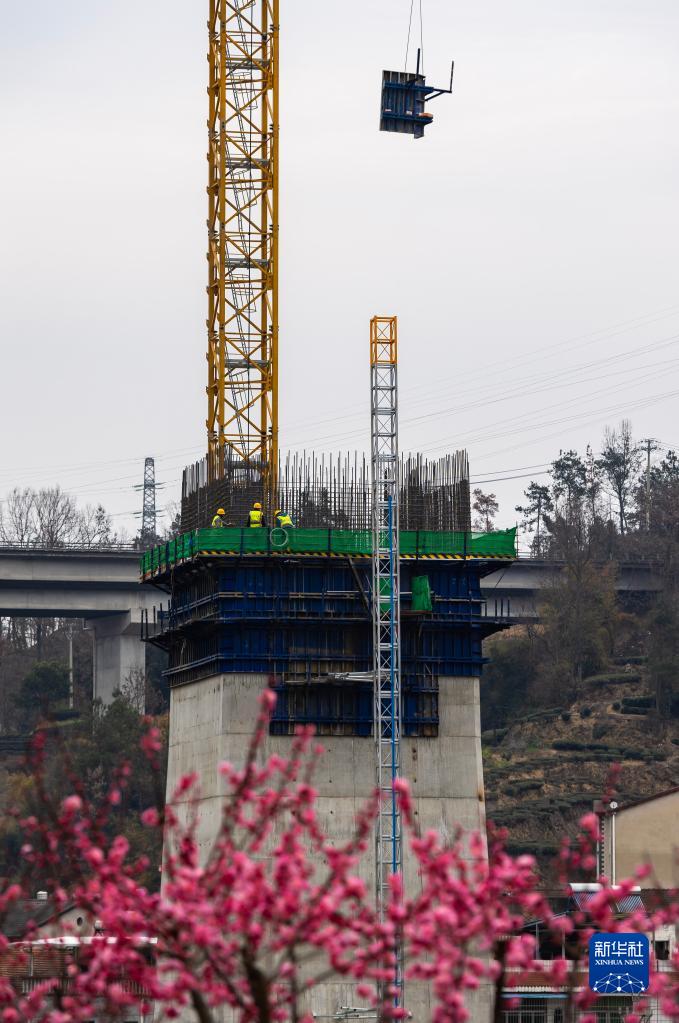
(212, 720)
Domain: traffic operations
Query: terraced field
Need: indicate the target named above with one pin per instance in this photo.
(545, 771)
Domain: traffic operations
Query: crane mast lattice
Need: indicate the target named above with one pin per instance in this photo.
(386, 608)
(242, 323)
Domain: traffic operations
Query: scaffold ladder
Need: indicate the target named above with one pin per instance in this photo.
(385, 608)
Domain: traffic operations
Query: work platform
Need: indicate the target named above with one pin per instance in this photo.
(415, 544)
(295, 605)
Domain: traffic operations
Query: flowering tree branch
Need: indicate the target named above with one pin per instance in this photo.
(274, 908)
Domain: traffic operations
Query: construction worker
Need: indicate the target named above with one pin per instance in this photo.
(283, 520)
(218, 521)
(256, 516)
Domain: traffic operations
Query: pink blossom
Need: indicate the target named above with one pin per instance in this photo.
(72, 804)
(276, 907)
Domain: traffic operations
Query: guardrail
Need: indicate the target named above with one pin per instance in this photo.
(71, 548)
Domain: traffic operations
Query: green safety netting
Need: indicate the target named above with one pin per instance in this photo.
(417, 543)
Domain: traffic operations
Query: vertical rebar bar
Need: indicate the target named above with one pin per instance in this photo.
(333, 491)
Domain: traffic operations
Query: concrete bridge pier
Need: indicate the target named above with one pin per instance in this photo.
(118, 653)
(301, 626)
(212, 719)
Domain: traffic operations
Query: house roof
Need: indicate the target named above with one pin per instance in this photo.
(628, 904)
(23, 916)
(648, 799)
(561, 904)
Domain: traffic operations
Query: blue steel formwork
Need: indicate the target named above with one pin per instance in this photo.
(304, 620)
(404, 95)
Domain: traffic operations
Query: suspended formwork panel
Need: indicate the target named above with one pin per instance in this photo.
(403, 99)
(404, 95)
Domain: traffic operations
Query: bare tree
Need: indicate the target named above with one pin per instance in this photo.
(17, 518)
(135, 689)
(50, 518)
(619, 463)
(94, 527)
(173, 511)
(56, 516)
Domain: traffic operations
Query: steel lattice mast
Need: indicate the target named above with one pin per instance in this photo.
(386, 607)
(148, 515)
(242, 323)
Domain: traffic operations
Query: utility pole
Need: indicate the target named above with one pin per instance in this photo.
(69, 633)
(651, 445)
(613, 807)
(591, 481)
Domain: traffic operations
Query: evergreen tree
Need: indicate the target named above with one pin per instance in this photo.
(538, 504)
(569, 480)
(46, 684)
(486, 508)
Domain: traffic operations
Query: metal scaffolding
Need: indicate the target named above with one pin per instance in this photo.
(242, 323)
(386, 610)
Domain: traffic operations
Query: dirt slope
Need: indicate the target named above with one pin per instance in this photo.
(543, 772)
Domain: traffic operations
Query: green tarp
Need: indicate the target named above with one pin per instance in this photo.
(417, 543)
(421, 593)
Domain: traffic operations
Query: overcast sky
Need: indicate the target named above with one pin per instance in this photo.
(528, 243)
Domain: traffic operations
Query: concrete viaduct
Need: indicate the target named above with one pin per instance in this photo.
(102, 587)
(518, 585)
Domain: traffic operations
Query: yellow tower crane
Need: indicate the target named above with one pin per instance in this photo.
(242, 323)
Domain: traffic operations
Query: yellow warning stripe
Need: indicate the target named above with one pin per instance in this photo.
(347, 554)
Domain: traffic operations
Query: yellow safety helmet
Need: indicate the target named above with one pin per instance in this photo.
(220, 511)
(277, 512)
(257, 506)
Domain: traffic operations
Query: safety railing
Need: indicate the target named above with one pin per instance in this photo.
(418, 544)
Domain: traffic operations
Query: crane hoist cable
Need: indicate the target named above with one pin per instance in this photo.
(421, 38)
(410, 25)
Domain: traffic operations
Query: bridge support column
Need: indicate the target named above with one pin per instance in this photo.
(119, 654)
